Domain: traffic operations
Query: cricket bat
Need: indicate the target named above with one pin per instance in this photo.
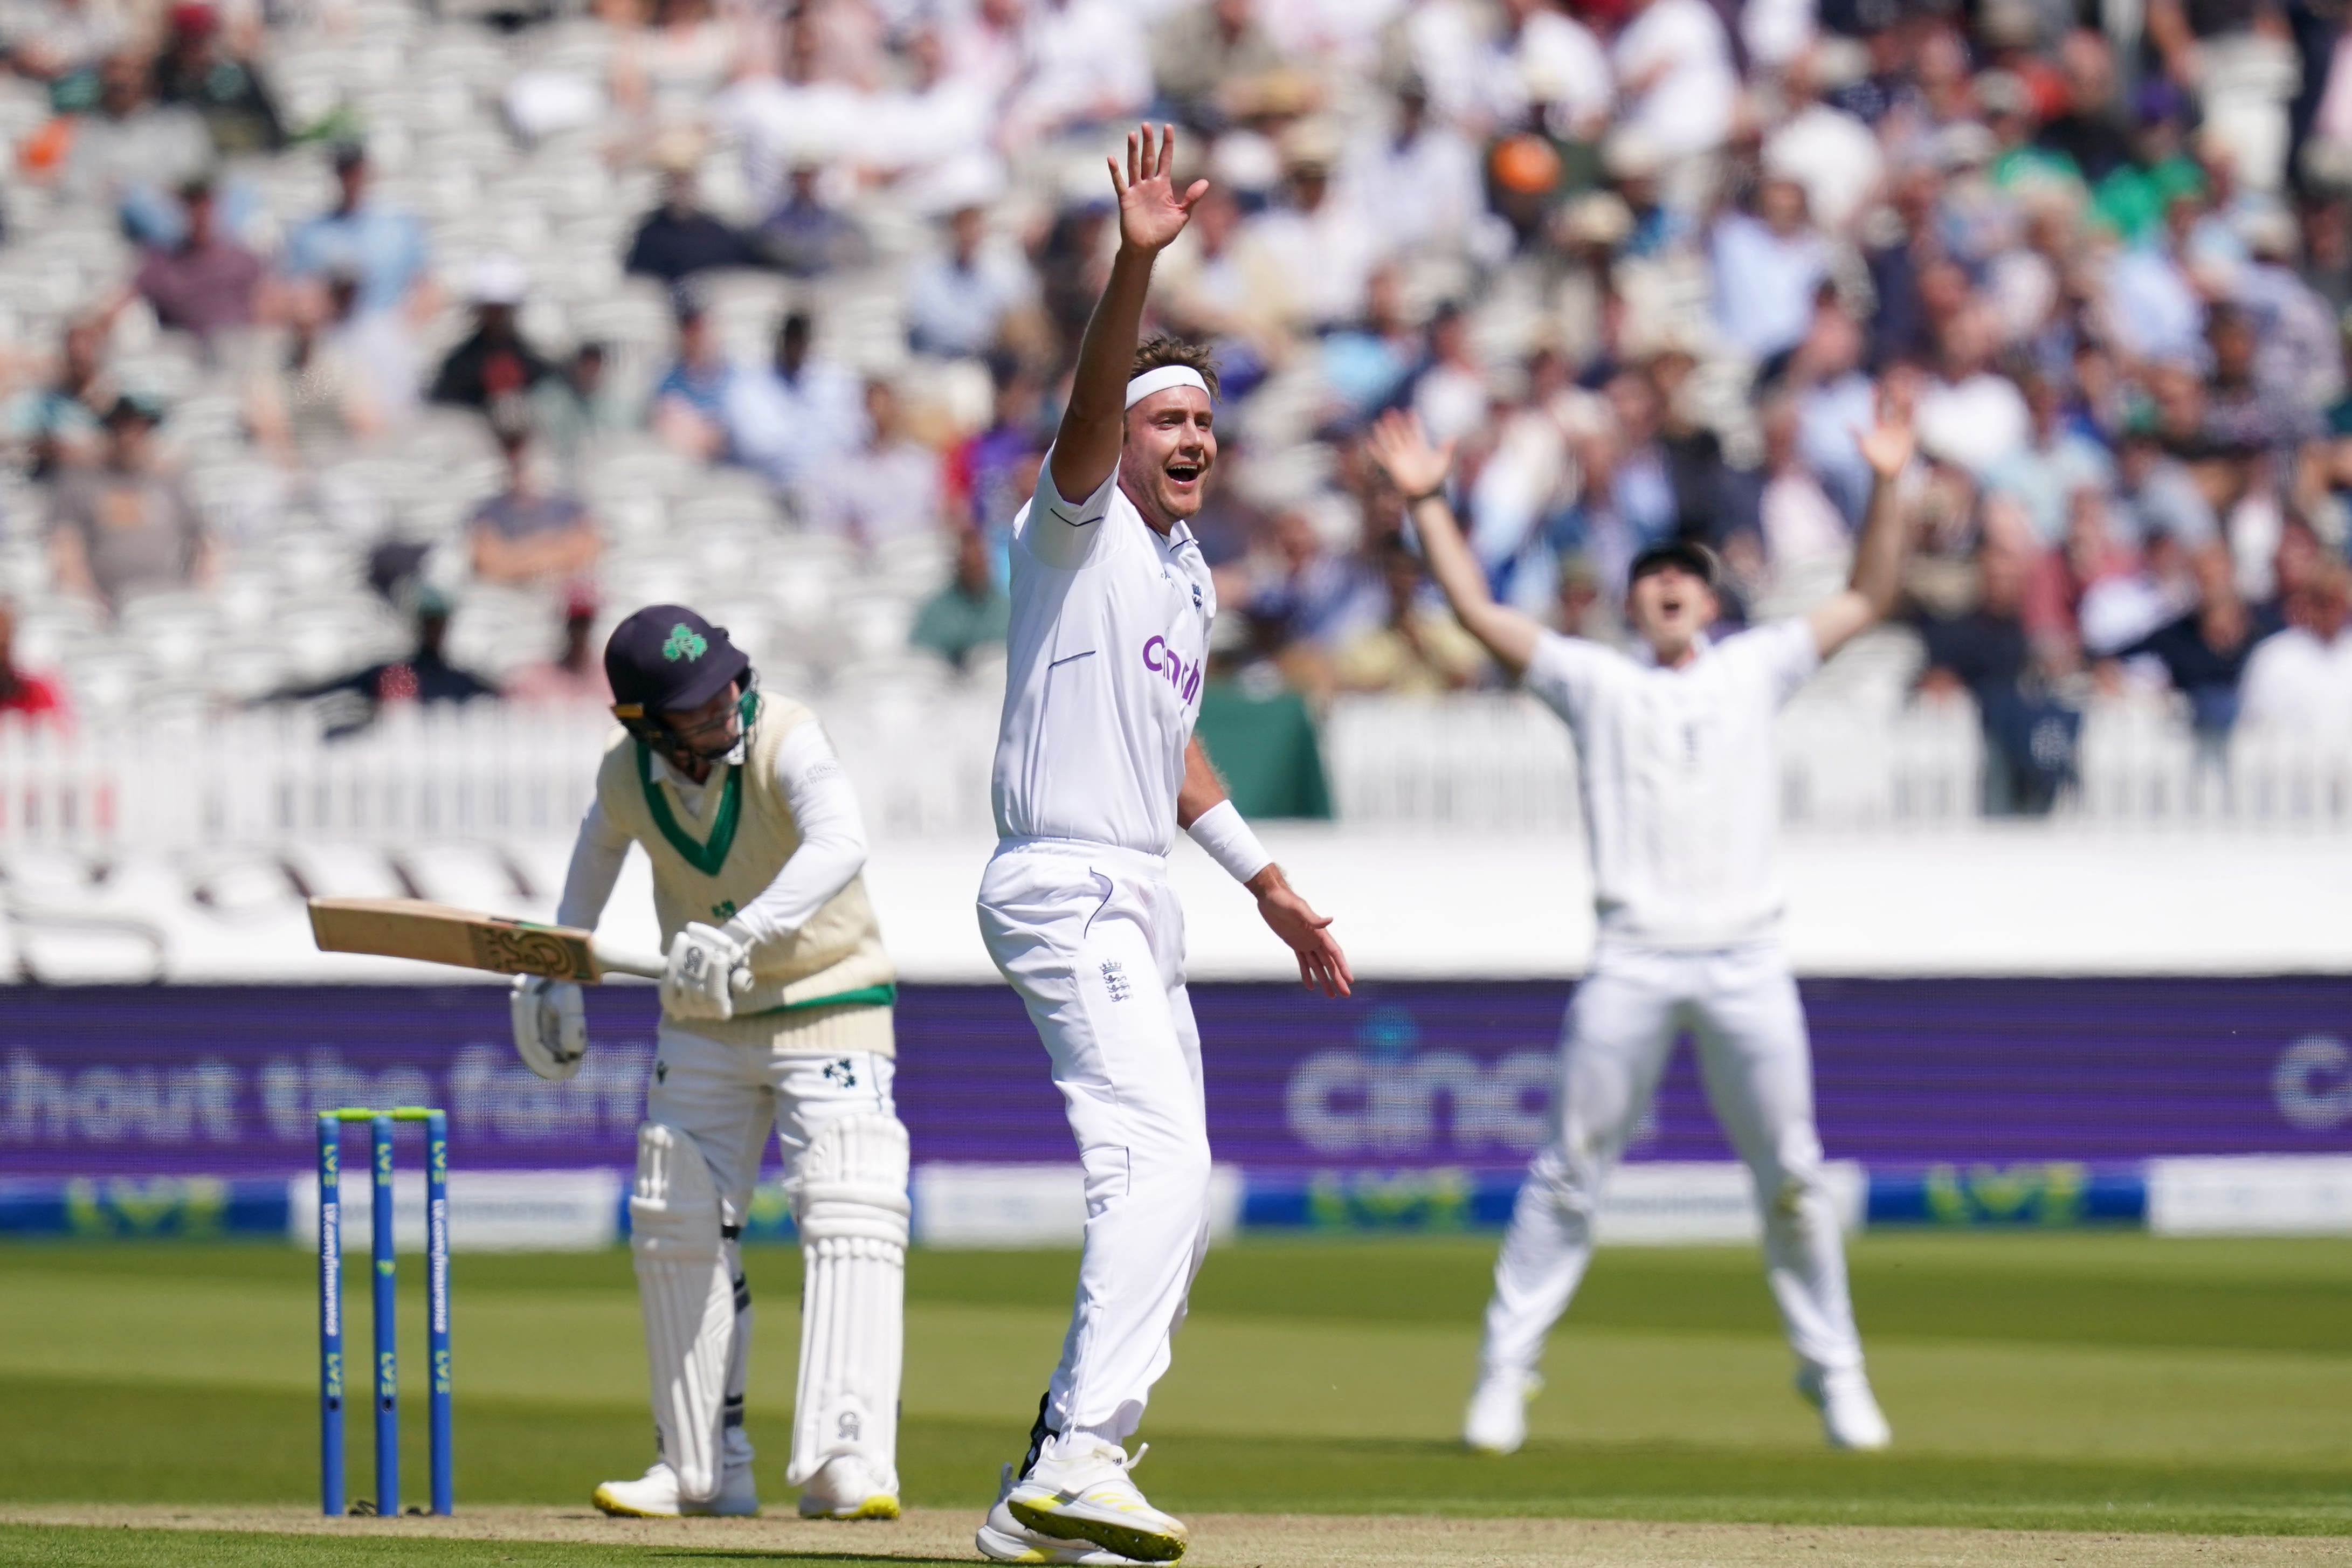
(438, 934)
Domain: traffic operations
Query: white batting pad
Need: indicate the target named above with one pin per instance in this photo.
(687, 1290)
(851, 1206)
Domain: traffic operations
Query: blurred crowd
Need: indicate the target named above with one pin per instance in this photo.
(516, 319)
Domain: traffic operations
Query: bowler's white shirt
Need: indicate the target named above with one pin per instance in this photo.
(1680, 783)
(1104, 667)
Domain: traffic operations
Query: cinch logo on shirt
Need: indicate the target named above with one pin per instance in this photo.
(1163, 660)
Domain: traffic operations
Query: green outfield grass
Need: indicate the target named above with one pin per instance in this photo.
(2097, 1381)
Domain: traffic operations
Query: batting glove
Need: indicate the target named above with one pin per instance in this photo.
(708, 970)
(551, 1025)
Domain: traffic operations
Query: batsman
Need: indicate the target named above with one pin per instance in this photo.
(776, 1010)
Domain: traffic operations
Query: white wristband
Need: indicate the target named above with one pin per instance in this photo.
(1220, 830)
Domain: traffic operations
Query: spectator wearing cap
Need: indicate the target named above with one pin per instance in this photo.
(26, 697)
(689, 405)
(575, 677)
(124, 527)
(794, 416)
(1321, 249)
(494, 361)
(378, 245)
(960, 296)
(971, 613)
(424, 676)
(680, 237)
(2298, 681)
(196, 70)
(207, 283)
(529, 533)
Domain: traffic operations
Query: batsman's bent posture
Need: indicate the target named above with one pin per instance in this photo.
(776, 1009)
(1096, 769)
(1674, 762)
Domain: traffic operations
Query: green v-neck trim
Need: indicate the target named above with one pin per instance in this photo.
(709, 854)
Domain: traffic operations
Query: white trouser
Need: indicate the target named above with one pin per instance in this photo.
(1740, 1006)
(724, 1098)
(1093, 939)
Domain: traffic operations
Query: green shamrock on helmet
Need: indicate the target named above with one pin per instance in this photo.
(685, 643)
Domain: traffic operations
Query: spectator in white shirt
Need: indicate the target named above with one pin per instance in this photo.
(791, 417)
(2298, 681)
(1673, 69)
(1325, 247)
(1827, 151)
(1546, 56)
(1087, 62)
(885, 488)
(1416, 183)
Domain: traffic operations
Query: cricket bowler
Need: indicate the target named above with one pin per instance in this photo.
(1095, 769)
(1679, 785)
(776, 1010)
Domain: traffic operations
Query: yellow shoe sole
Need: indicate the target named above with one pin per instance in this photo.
(606, 1502)
(1126, 1539)
(881, 1505)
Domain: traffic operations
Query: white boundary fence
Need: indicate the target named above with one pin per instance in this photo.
(921, 758)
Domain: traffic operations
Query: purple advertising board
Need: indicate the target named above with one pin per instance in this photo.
(224, 1081)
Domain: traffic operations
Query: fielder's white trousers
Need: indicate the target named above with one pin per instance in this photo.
(1093, 940)
(1740, 1008)
(725, 1098)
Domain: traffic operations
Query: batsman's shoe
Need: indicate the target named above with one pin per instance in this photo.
(1497, 1421)
(1089, 1495)
(1849, 1415)
(1004, 1539)
(843, 1487)
(653, 1495)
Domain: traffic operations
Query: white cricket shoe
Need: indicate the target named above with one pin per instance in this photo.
(1004, 1539)
(1849, 1415)
(1497, 1421)
(653, 1495)
(843, 1487)
(1087, 1497)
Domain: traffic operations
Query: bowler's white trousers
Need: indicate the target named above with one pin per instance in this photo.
(1740, 1006)
(1093, 939)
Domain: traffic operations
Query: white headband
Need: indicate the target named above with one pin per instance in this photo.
(1161, 380)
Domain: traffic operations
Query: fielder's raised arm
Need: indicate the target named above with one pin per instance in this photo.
(1870, 591)
(1419, 470)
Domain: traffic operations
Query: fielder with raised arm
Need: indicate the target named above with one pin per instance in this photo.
(1674, 763)
(776, 1010)
(1095, 769)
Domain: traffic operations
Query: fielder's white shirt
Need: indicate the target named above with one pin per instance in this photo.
(1104, 661)
(1679, 780)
